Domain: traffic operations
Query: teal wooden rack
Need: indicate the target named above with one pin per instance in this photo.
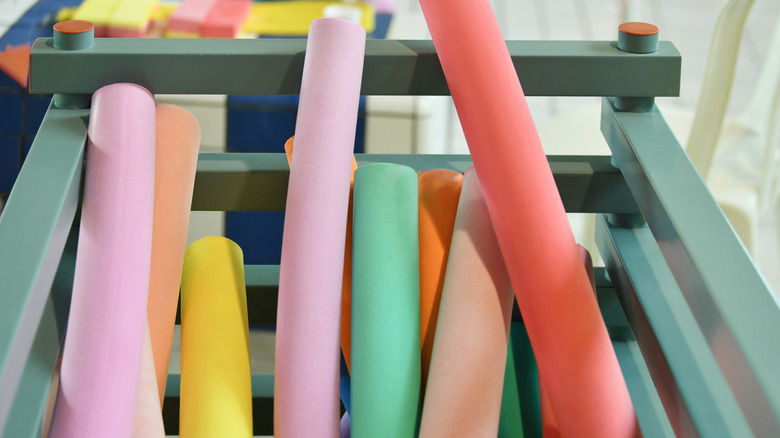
(693, 322)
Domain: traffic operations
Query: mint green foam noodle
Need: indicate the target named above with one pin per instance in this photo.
(520, 411)
(385, 374)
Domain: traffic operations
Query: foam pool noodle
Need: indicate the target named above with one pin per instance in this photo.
(463, 396)
(570, 340)
(216, 379)
(312, 259)
(346, 287)
(148, 421)
(101, 360)
(385, 373)
(176, 158)
(438, 193)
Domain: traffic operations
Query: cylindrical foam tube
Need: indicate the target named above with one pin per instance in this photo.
(178, 140)
(438, 193)
(346, 281)
(549, 424)
(344, 385)
(510, 423)
(306, 386)
(101, 361)
(148, 416)
(216, 379)
(561, 314)
(385, 374)
(527, 376)
(345, 426)
(463, 396)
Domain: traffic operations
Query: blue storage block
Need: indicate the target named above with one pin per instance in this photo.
(10, 146)
(13, 107)
(260, 123)
(259, 234)
(28, 141)
(381, 26)
(264, 123)
(35, 106)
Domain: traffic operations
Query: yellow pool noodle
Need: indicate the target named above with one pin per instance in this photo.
(216, 379)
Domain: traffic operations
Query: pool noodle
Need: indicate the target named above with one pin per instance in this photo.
(520, 416)
(587, 261)
(346, 281)
(438, 193)
(510, 422)
(344, 425)
(562, 317)
(178, 140)
(463, 396)
(101, 361)
(527, 379)
(549, 424)
(346, 292)
(148, 421)
(385, 373)
(216, 379)
(312, 260)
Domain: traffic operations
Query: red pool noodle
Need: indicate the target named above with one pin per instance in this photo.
(549, 425)
(575, 356)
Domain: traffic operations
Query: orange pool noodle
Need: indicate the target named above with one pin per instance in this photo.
(176, 157)
(583, 380)
(438, 192)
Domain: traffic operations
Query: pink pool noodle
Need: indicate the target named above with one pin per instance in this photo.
(561, 314)
(177, 143)
(346, 282)
(101, 361)
(148, 412)
(463, 396)
(306, 386)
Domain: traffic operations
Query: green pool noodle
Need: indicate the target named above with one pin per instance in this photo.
(385, 372)
(510, 423)
(521, 389)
